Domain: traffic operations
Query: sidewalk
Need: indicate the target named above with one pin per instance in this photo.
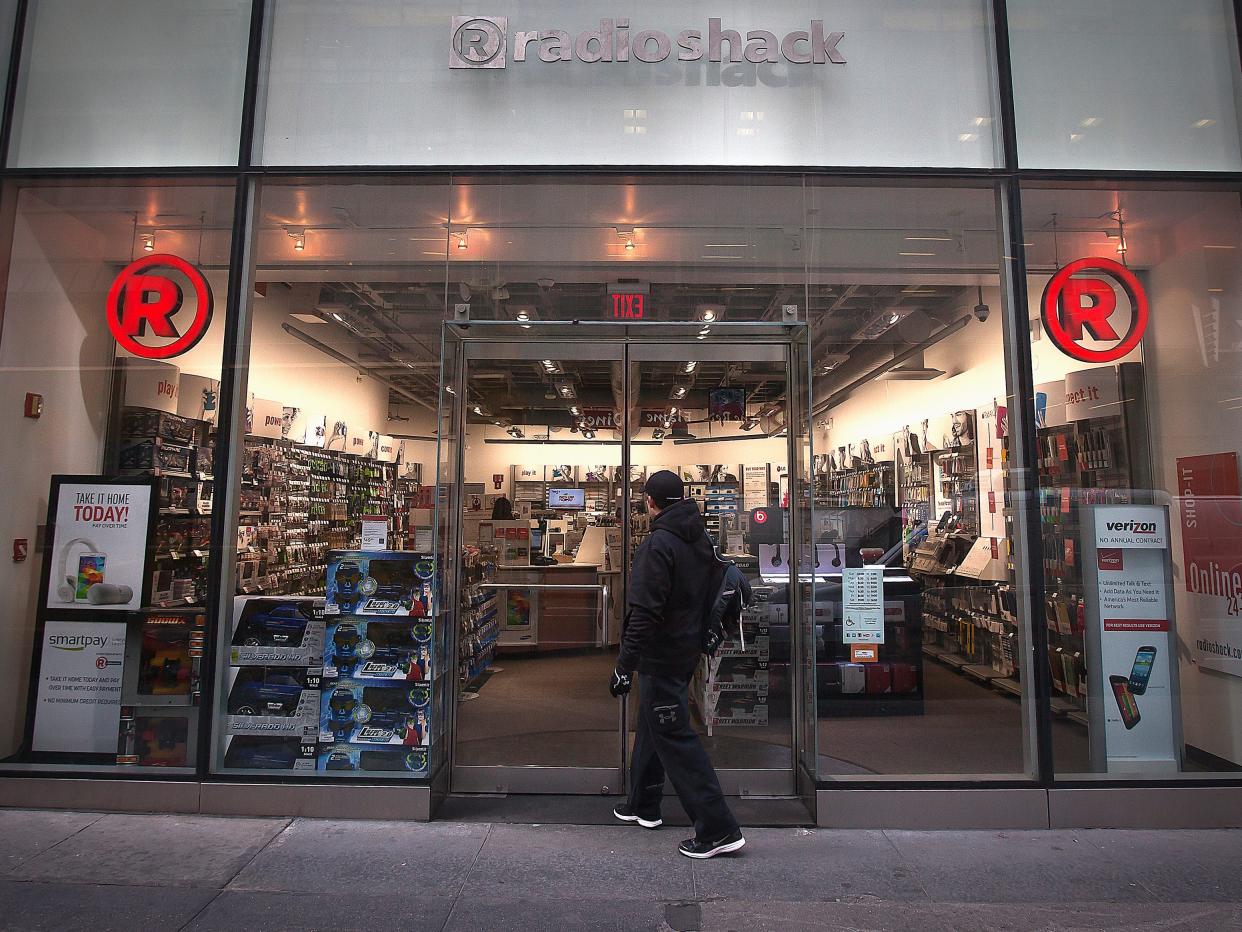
(72, 870)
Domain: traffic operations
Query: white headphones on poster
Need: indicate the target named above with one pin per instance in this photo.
(98, 594)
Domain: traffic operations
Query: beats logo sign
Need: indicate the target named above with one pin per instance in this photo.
(146, 301)
(761, 517)
(1078, 307)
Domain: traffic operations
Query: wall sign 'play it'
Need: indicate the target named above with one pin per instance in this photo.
(1079, 308)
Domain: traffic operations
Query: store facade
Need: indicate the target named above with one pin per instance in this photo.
(337, 340)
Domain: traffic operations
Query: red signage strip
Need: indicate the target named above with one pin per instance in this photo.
(142, 302)
(1077, 307)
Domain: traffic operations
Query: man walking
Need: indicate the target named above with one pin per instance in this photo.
(662, 641)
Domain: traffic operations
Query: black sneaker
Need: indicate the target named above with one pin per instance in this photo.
(623, 812)
(693, 848)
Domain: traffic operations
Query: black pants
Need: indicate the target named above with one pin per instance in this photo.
(665, 743)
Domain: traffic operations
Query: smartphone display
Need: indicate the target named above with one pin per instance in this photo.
(1125, 701)
(1141, 671)
(90, 573)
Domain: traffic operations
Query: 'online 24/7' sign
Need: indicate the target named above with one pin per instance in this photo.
(145, 305)
(483, 42)
(1080, 305)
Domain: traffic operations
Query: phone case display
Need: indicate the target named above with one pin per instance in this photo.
(957, 488)
(974, 629)
(869, 486)
(480, 616)
(720, 503)
(178, 452)
(732, 687)
(297, 503)
(914, 493)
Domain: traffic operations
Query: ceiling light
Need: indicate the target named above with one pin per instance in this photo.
(672, 411)
(450, 389)
(709, 313)
(657, 434)
(575, 410)
(523, 315)
(832, 361)
(690, 367)
(461, 240)
(629, 244)
(1089, 122)
(526, 326)
(1203, 124)
(515, 432)
(588, 433)
(337, 317)
(912, 374)
(929, 239)
(928, 254)
(705, 331)
(881, 323)
(478, 409)
(298, 235)
(679, 392)
(565, 387)
(148, 242)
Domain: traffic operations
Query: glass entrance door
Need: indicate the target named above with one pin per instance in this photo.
(557, 441)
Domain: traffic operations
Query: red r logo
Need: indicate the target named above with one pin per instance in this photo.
(1076, 309)
(143, 304)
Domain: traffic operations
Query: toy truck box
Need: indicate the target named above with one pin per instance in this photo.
(367, 714)
(278, 701)
(351, 758)
(398, 649)
(394, 583)
(277, 632)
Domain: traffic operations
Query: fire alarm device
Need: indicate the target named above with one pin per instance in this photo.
(34, 405)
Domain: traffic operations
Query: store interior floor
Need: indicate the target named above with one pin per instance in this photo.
(554, 710)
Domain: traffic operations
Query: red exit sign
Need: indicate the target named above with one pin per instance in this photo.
(628, 306)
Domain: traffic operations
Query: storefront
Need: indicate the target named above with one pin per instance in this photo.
(338, 339)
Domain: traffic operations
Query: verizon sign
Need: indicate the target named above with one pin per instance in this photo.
(485, 42)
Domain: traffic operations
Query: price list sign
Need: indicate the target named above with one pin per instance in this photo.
(863, 605)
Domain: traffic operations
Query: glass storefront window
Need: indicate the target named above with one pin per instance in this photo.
(1137, 411)
(145, 84)
(110, 357)
(919, 641)
(1119, 85)
(332, 647)
(867, 82)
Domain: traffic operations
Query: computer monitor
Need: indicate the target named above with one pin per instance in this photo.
(566, 499)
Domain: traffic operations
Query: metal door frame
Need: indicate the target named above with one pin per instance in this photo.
(628, 344)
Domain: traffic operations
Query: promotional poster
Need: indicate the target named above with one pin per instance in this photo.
(1211, 525)
(79, 703)
(99, 546)
(1132, 551)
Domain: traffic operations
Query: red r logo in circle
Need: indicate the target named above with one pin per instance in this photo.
(1075, 309)
(101, 663)
(141, 300)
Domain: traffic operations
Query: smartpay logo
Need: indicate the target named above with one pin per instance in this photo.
(484, 42)
(1132, 527)
(76, 642)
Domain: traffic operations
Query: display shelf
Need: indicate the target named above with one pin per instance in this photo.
(867, 487)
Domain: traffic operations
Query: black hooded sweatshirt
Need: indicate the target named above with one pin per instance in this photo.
(668, 588)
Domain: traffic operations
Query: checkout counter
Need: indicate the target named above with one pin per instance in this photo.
(560, 605)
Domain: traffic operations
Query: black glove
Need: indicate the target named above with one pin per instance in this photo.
(621, 683)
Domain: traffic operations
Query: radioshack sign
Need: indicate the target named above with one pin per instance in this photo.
(1084, 316)
(485, 42)
(148, 312)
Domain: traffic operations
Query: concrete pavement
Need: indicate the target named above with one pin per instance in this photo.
(81, 870)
